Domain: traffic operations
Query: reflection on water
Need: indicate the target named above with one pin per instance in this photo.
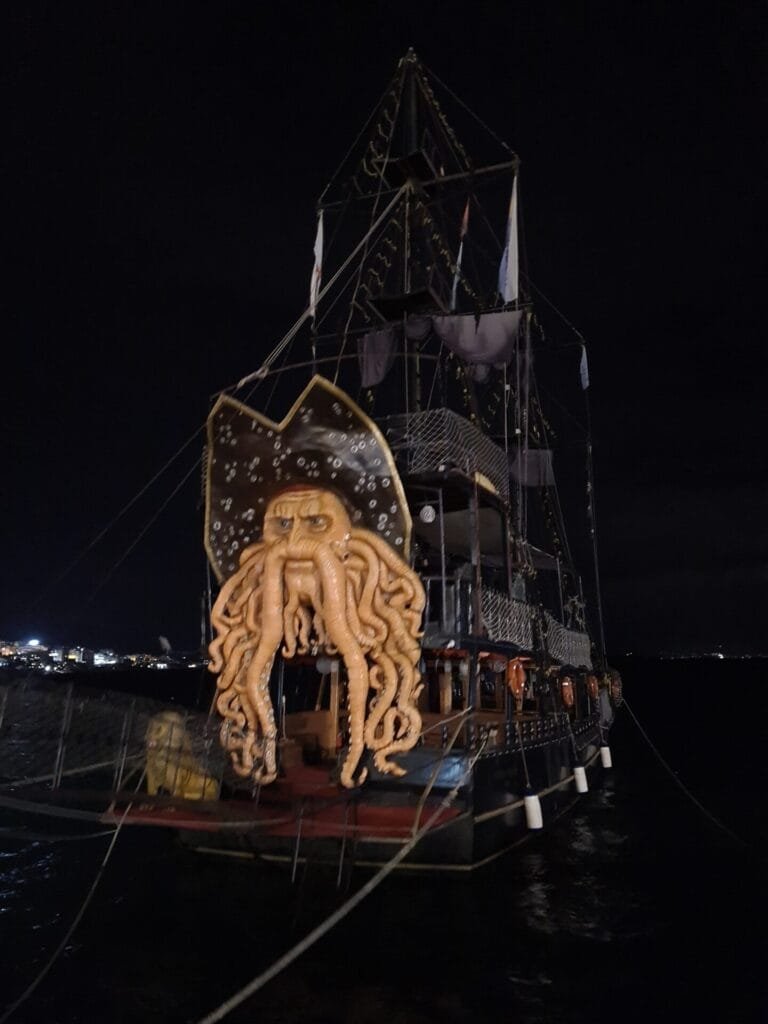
(540, 935)
(617, 913)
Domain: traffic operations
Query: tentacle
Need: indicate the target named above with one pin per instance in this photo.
(396, 604)
(334, 604)
(382, 701)
(365, 605)
(260, 667)
(401, 724)
(289, 630)
(304, 628)
(364, 635)
(318, 627)
(236, 616)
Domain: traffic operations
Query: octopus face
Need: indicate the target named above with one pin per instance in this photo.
(315, 582)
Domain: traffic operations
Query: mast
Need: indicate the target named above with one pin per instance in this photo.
(592, 518)
(398, 202)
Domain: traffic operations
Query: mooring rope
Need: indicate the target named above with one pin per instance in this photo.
(25, 836)
(673, 775)
(330, 922)
(76, 921)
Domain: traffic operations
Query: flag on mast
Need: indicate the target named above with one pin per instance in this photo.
(508, 269)
(457, 271)
(317, 270)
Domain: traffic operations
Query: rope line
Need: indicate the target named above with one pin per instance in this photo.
(552, 306)
(330, 922)
(150, 522)
(379, 186)
(351, 149)
(25, 836)
(105, 530)
(707, 813)
(76, 921)
(263, 370)
(469, 110)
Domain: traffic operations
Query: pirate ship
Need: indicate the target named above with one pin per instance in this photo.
(407, 660)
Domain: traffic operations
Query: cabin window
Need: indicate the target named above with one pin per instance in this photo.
(491, 687)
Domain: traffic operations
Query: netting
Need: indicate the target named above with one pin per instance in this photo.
(506, 619)
(440, 439)
(566, 645)
(64, 734)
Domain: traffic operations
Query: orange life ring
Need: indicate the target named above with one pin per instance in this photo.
(516, 678)
(566, 690)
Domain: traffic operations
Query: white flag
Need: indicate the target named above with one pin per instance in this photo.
(317, 270)
(508, 269)
(584, 369)
(457, 272)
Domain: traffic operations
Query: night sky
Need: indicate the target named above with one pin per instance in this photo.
(161, 168)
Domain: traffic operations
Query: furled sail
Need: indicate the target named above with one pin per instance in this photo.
(489, 338)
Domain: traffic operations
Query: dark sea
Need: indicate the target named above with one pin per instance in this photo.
(633, 907)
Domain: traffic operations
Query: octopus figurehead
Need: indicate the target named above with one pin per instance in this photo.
(323, 575)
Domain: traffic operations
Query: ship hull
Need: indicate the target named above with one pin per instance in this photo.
(469, 811)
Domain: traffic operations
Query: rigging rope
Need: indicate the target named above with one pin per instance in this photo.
(551, 304)
(457, 99)
(102, 533)
(152, 519)
(263, 370)
(379, 187)
(328, 309)
(351, 149)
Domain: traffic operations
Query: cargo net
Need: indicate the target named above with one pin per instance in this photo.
(63, 736)
(506, 619)
(441, 439)
(566, 645)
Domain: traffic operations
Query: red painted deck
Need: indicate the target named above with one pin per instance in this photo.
(304, 795)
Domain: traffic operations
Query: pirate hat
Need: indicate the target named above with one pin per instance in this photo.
(325, 441)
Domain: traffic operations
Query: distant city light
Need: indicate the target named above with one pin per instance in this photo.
(33, 643)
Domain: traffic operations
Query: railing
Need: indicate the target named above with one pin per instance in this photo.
(51, 733)
(505, 619)
(440, 439)
(566, 645)
(448, 607)
(510, 734)
(449, 610)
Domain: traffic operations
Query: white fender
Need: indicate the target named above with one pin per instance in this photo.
(605, 756)
(533, 818)
(580, 778)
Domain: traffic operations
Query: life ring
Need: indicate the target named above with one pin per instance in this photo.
(566, 691)
(516, 679)
(593, 686)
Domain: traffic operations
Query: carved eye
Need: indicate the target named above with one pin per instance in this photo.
(318, 523)
(285, 523)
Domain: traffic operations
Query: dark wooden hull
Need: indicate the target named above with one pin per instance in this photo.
(474, 801)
